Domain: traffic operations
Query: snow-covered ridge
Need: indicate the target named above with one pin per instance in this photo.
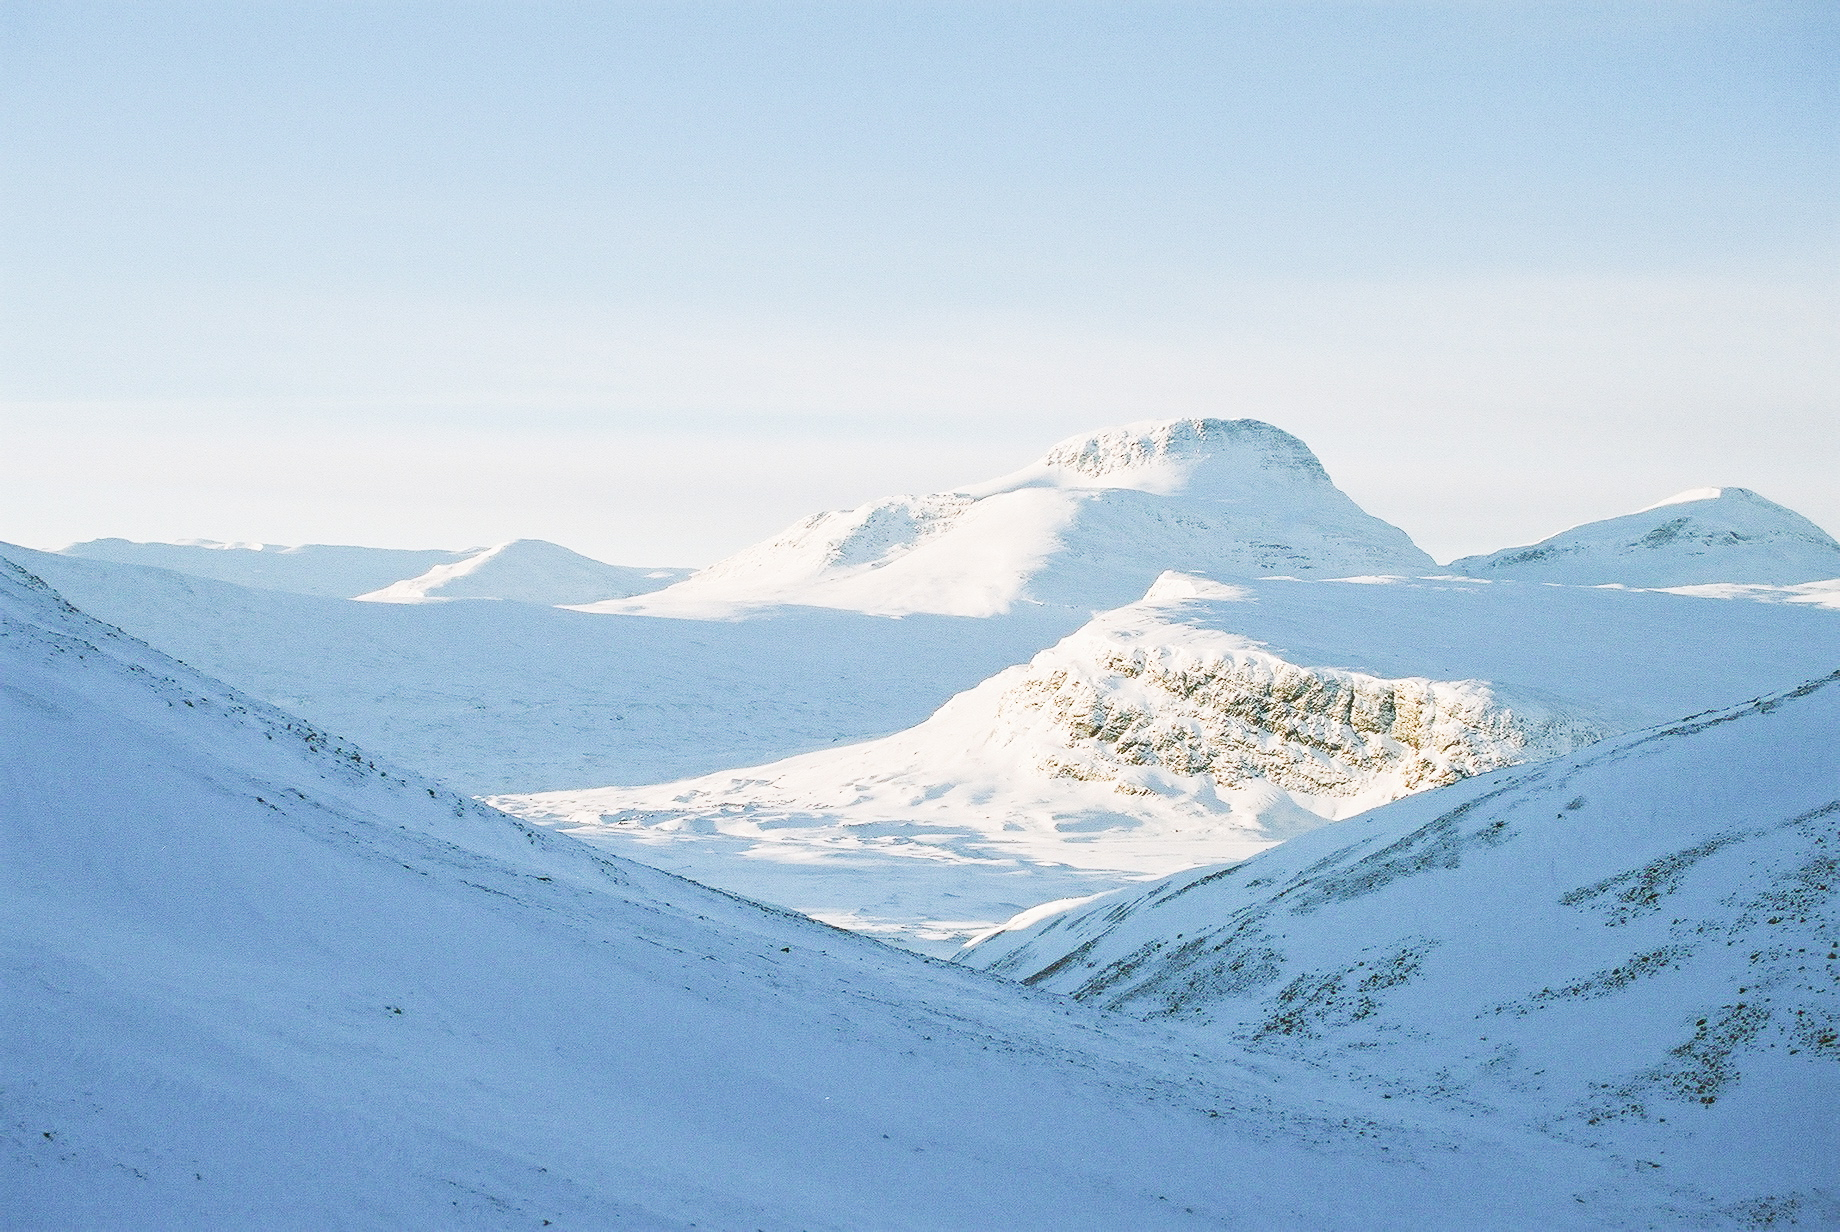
(1698, 537)
(1635, 944)
(1088, 526)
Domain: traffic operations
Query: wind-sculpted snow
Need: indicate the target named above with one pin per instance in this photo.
(1202, 723)
(256, 978)
(1638, 946)
(1701, 537)
(1089, 526)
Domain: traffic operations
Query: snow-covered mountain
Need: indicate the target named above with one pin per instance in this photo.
(1702, 536)
(1204, 722)
(499, 697)
(526, 571)
(254, 978)
(1089, 526)
(1637, 945)
(335, 571)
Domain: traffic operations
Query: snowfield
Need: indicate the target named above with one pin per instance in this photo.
(256, 978)
(1636, 947)
(491, 697)
(1203, 723)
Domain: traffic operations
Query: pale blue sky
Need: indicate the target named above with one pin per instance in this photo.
(654, 279)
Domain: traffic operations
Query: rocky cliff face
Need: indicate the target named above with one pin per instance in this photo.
(1245, 717)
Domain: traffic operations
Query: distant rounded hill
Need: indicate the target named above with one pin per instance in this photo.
(527, 571)
(524, 570)
(1699, 537)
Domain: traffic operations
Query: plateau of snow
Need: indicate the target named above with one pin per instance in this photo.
(1089, 526)
(1202, 723)
(1637, 947)
(503, 697)
(1698, 537)
(254, 977)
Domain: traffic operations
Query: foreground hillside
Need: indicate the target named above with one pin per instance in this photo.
(1202, 723)
(1638, 945)
(255, 980)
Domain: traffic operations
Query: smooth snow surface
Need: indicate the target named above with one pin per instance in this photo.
(527, 571)
(1089, 526)
(500, 697)
(255, 980)
(1699, 537)
(1202, 723)
(1638, 947)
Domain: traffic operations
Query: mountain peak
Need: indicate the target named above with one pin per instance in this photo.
(1089, 525)
(526, 571)
(1182, 449)
(1693, 538)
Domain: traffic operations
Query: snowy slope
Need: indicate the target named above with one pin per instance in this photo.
(334, 571)
(1639, 944)
(1706, 535)
(497, 697)
(1202, 723)
(255, 980)
(1089, 526)
(527, 571)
